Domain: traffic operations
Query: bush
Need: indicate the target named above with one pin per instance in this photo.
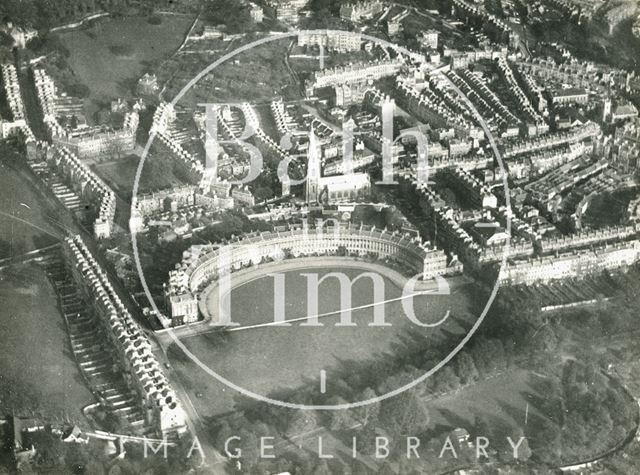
(6, 40)
(154, 20)
(43, 45)
(77, 90)
(121, 50)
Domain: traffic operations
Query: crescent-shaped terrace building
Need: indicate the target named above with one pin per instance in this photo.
(201, 265)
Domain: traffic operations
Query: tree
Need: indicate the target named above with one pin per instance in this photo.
(466, 368)
(618, 434)
(491, 355)
(234, 15)
(156, 171)
(524, 452)
(248, 443)
(405, 414)
(341, 419)
(341, 467)
(574, 430)
(6, 55)
(482, 428)
(232, 225)
(446, 380)
(116, 148)
(122, 49)
(6, 40)
(360, 468)
(263, 193)
(321, 468)
(302, 421)
(618, 407)
(224, 431)
(77, 89)
(544, 340)
(386, 469)
(370, 411)
(549, 439)
(569, 374)
(287, 253)
(320, 5)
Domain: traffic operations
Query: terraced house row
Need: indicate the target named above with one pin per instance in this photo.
(193, 167)
(538, 123)
(579, 73)
(571, 264)
(18, 122)
(465, 9)
(203, 264)
(141, 369)
(588, 131)
(453, 236)
(85, 141)
(162, 120)
(428, 106)
(76, 178)
(353, 73)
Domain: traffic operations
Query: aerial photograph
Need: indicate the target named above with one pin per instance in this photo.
(318, 237)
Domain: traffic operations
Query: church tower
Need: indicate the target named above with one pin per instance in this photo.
(313, 168)
(286, 185)
(606, 109)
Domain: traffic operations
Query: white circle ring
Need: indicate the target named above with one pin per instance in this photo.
(389, 394)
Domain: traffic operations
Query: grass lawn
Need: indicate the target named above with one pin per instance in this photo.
(37, 370)
(270, 358)
(120, 176)
(608, 209)
(502, 400)
(110, 75)
(25, 217)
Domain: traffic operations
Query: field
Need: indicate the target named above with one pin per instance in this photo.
(26, 221)
(96, 60)
(271, 358)
(37, 369)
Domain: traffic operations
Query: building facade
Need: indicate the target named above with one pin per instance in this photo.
(335, 188)
(199, 268)
(364, 10)
(573, 264)
(128, 343)
(342, 41)
(352, 74)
